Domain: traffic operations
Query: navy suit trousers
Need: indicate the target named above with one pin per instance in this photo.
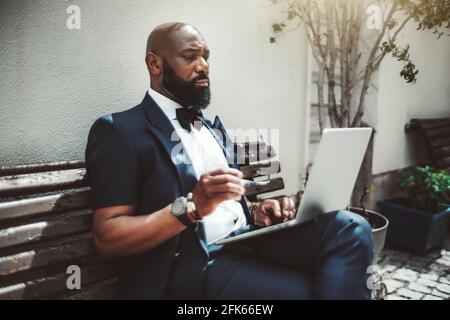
(325, 258)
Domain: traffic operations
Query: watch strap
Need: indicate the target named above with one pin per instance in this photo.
(184, 218)
(192, 208)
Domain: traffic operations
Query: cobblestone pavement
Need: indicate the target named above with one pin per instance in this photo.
(411, 276)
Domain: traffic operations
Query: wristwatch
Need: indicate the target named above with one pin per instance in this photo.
(185, 211)
(179, 210)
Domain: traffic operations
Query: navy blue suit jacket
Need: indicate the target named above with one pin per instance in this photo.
(129, 162)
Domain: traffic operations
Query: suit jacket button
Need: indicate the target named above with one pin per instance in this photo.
(177, 254)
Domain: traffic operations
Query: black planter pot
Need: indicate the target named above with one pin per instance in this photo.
(415, 229)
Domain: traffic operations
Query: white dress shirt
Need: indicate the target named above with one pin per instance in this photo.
(205, 155)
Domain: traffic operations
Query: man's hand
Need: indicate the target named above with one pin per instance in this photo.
(215, 187)
(271, 212)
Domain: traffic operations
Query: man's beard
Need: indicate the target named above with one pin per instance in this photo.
(186, 92)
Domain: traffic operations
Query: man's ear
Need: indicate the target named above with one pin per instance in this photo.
(154, 64)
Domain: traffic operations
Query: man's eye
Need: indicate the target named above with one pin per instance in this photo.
(189, 57)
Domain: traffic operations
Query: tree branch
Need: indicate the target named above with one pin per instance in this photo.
(369, 68)
(380, 57)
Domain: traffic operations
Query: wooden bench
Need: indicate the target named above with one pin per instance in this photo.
(436, 136)
(45, 227)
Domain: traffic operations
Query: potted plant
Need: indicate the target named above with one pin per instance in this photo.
(419, 220)
(378, 222)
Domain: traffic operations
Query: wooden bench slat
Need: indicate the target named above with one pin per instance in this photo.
(37, 288)
(437, 132)
(103, 290)
(260, 169)
(55, 253)
(444, 162)
(272, 185)
(46, 271)
(40, 167)
(440, 142)
(59, 226)
(32, 183)
(428, 124)
(441, 152)
(252, 152)
(48, 204)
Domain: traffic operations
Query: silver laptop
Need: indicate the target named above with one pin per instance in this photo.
(331, 180)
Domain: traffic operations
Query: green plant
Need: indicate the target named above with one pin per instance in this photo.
(427, 188)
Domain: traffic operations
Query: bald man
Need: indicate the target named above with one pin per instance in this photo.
(160, 208)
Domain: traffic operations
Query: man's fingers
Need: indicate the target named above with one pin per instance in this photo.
(287, 207)
(284, 203)
(292, 206)
(263, 221)
(267, 222)
(272, 208)
(221, 171)
(292, 203)
(223, 182)
(224, 178)
(225, 187)
(224, 196)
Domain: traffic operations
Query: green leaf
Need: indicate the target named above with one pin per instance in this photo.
(277, 27)
(426, 187)
(291, 15)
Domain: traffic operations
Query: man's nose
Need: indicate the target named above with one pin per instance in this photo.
(202, 66)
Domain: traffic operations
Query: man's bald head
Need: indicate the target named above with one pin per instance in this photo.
(177, 61)
(165, 36)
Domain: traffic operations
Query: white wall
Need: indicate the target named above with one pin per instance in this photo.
(398, 102)
(56, 81)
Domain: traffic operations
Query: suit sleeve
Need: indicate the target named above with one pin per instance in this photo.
(111, 165)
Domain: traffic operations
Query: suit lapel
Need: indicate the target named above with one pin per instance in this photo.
(163, 130)
(218, 131)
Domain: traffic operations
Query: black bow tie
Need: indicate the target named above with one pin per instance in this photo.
(187, 116)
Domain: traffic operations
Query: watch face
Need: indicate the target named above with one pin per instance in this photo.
(178, 206)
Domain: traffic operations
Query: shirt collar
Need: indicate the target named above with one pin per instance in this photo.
(167, 106)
